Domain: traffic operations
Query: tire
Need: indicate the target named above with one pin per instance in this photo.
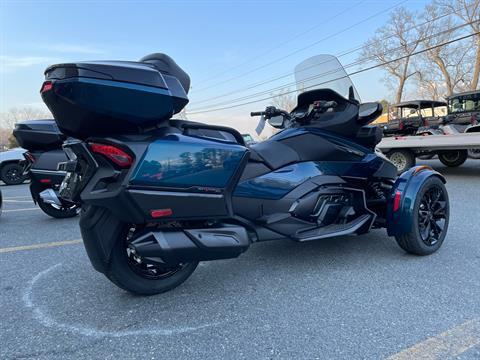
(402, 159)
(414, 242)
(56, 212)
(12, 174)
(474, 153)
(124, 274)
(453, 158)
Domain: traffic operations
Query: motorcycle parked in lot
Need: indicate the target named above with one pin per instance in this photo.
(44, 141)
(159, 195)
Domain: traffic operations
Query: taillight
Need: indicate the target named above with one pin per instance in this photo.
(113, 153)
(30, 158)
(47, 85)
(401, 126)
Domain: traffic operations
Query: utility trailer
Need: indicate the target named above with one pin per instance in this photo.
(452, 149)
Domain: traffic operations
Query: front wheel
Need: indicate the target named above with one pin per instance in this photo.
(430, 214)
(131, 272)
(59, 212)
(453, 158)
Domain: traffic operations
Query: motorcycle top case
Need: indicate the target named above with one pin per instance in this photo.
(110, 97)
(36, 135)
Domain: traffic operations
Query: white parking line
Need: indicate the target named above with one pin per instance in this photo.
(27, 209)
(446, 345)
(17, 201)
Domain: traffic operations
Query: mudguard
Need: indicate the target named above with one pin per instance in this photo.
(402, 198)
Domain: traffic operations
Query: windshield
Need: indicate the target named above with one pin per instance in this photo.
(464, 103)
(324, 72)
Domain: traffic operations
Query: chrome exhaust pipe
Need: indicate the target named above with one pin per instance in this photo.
(50, 197)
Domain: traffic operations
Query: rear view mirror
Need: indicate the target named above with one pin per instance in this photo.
(412, 111)
(369, 112)
(276, 121)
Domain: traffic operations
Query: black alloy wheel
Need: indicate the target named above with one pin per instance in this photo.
(432, 215)
(12, 174)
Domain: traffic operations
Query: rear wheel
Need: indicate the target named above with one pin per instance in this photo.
(430, 219)
(474, 153)
(12, 174)
(453, 158)
(59, 212)
(402, 159)
(135, 274)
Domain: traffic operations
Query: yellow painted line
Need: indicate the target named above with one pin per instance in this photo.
(27, 209)
(39, 246)
(448, 344)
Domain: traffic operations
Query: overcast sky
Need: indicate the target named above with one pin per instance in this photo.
(225, 46)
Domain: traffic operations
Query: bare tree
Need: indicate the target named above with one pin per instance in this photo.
(399, 38)
(467, 12)
(444, 69)
(284, 100)
(14, 115)
(4, 138)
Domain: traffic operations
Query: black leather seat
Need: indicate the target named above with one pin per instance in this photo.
(273, 153)
(166, 65)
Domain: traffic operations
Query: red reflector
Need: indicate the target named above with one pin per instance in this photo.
(161, 213)
(47, 85)
(45, 181)
(116, 155)
(396, 200)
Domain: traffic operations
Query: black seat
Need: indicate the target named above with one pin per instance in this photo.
(273, 153)
(166, 65)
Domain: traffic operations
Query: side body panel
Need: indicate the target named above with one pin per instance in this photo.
(182, 162)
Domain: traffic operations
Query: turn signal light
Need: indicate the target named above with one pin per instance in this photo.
(113, 153)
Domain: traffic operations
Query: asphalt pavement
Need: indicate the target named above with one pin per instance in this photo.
(345, 298)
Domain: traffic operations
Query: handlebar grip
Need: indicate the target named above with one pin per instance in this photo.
(257, 113)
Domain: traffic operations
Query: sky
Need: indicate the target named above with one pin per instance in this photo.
(225, 46)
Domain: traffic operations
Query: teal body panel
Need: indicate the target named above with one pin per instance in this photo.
(408, 184)
(279, 183)
(182, 161)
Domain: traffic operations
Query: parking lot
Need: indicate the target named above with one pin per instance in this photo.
(349, 298)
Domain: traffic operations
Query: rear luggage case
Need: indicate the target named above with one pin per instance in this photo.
(38, 135)
(111, 97)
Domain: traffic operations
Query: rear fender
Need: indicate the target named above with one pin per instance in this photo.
(401, 202)
(100, 230)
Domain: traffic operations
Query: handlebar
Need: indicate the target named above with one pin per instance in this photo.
(257, 113)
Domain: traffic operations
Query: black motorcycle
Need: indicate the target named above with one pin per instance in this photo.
(43, 140)
(160, 195)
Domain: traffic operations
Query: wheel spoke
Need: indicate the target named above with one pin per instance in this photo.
(432, 215)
